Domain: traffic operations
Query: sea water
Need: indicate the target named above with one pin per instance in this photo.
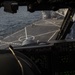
(10, 23)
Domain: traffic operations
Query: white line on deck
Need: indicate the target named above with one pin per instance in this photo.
(14, 33)
(41, 25)
(20, 39)
(53, 35)
(53, 23)
(60, 14)
(9, 42)
(47, 24)
(45, 33)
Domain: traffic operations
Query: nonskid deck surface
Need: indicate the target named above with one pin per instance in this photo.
(43, 30)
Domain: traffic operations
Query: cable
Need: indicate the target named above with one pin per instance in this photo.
(13, 53)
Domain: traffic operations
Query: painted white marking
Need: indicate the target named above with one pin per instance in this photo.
(60, 14)
(42, 25)
(12, 42)
(26, 34)
(53, 23)
(44, 33)
(22, 37)
(47, 22)
(53, 35)
(47, 25)
(13, 34)
(16, 32)
(9, 42)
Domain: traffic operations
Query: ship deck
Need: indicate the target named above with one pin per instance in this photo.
(43, 30)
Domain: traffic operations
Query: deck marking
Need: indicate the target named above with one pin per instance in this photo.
(53, 35)
(60, 14)
(45, 33)
(53, 24)
(30, 25)
(9, 42)
(14, 33)
(20, 39)
(47, 25)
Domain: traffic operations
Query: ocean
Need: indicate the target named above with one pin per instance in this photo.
(10, 23)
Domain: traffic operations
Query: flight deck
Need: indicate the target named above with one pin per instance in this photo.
(43, 30)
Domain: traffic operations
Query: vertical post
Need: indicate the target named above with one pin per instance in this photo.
(26, 33)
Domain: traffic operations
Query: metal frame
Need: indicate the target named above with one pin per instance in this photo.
(66, 25)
